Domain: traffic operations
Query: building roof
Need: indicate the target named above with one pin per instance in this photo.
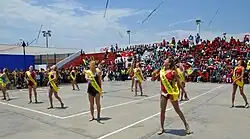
(34, 50)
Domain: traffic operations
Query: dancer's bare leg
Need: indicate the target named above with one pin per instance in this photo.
(132, 85)
(181, 115)
(244, 97)
(91, 106)
(51, 99)
(98, 106)
(30, 94)
(59, 99)
(163, 105)
(136, 87)
(233, 94)
(73, 85)
(35, 93)
(140, 86)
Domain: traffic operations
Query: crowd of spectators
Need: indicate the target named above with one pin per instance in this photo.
(212, 61)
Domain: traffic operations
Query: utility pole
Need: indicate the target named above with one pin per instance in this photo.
(47, 34)
(24, 56)
(198, 26)
(128, 32)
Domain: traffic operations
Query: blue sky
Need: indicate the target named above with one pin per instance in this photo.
(80, 23)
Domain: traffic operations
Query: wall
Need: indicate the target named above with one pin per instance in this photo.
(16, 61)
(52, 59)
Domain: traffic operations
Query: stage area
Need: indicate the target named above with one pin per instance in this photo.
(125, 116)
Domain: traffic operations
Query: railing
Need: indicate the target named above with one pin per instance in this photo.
(68, 59)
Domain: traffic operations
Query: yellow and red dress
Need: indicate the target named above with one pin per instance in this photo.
(237, 72)
(169, 76)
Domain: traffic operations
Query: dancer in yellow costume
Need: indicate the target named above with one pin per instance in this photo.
(181, 73)
(100, 68)
(30, 78)
(53, 87)
(14, 73)
(4, 81)
(73, 74)
(94, 78)
(169, 90)
(138, 78)
(131, 74)
(238, 74)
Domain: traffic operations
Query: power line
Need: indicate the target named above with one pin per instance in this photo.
(38, 35)
(152, 12)
(106, 7)
(216, 13)
(120, 34)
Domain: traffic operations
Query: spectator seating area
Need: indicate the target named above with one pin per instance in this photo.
(211, 60)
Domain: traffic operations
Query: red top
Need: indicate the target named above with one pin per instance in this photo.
(170, 76)
(33, 75)
(238, 71)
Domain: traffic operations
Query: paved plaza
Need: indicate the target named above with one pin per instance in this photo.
(125, 116)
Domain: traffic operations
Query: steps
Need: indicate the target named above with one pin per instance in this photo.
(65, 61)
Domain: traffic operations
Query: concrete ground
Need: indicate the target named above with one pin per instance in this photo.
(125, 116)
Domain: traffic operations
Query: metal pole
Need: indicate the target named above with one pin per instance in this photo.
(199, 28)
(47, 45)
(198, 24)
(47, 34)
(24, 56)
(41, 59)
(128, 32)
(54, 58)
(129, 37)
(47, 41)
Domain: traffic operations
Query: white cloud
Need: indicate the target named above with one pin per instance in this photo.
(76, 25)
(84, 28)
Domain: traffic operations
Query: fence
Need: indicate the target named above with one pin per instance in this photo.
(52, 59)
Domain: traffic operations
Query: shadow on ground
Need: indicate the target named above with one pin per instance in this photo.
(177, 132)
(61, 107)
(103, 119)
(239, 106)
